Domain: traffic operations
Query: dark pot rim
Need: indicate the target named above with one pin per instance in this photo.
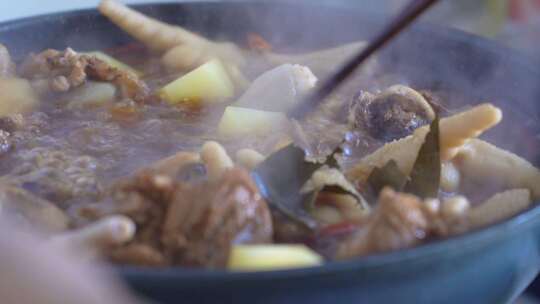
(528, 219)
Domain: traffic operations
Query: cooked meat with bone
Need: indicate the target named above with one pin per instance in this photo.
(189, 223)
(129, 85)
(143, 198)
(63, 70)
(399, 221)
(204, 220)
(394, 113)
(403, 220)
(67, 70)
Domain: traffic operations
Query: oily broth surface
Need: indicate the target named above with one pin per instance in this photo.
(119, 146)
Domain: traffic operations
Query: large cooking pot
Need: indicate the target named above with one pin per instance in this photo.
(492, 265)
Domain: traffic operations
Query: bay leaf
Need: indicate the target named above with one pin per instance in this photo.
(389, 175)
(425, 175)
(280, 178)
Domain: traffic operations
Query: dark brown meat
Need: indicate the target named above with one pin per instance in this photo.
(64, 70)
(67, 70)
(205, 219)
(399, 221)
(191, 223)
(7, 67)
(129, 85)
(391, 114)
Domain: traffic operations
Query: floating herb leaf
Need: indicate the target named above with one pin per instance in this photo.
(280, 178)
(426, 172)
(388, 175)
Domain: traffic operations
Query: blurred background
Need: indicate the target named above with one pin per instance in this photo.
(513, 22)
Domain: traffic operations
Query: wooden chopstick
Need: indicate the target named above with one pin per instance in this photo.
(409, 14)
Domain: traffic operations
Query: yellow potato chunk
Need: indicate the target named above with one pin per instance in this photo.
(16, 96)
(207, 84)
(271, 257)
(238, 121)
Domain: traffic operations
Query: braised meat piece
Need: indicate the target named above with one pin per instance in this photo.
(394, 113)
(129, 85)
(7, 67)
(145, 199)
(189, 223)
(66, 70)
(399, 221)
(63, 70)
(205, 219)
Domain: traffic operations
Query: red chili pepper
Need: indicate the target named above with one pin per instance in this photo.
(325, 198)
(338, 229)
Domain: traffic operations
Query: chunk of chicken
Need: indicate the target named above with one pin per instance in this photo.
(399, 221)
(394, 113)
(204, 220)
(190, 223)
(66, 70)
